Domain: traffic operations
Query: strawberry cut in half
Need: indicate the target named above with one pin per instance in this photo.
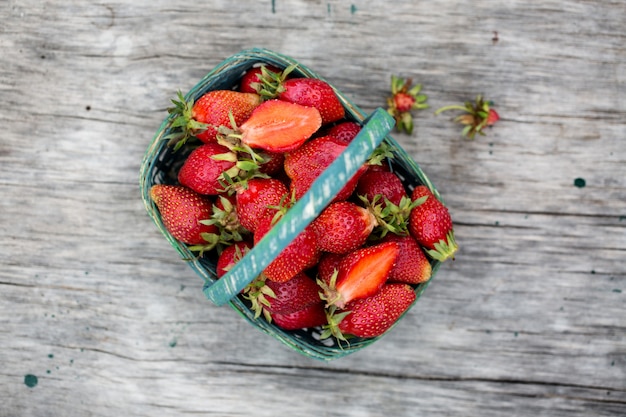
(361, 274)
(279, 126)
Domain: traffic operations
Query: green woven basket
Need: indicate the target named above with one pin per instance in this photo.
(161, 164)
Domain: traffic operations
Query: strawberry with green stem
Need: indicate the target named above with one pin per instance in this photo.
(403, 100)
(431, 225)
(182, 213)
(360, 274)
(310, 92)
(370, 316)
(202, 118)
(477, 116)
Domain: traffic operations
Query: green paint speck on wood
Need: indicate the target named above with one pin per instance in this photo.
(30, 380)
(353, 9)
(580, 182)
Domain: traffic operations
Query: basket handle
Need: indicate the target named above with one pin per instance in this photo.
(310, 205)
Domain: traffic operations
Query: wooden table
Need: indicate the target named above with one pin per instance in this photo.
(99, 316)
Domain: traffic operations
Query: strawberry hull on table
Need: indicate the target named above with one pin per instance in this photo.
(247, 155)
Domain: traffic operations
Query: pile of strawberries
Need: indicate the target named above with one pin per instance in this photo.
(256, 150)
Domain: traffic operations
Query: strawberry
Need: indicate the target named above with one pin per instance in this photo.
(182, 210)
(225, 218)
(279, 126)
(343, 227)
(430, 224)
(300, 254)
(326, 267)
(212, 110)
(314, 93)
(273, 162)
(404, 98)
(310, 92)
(251, 80)
(476, 116)
(361, 274)
(257, 199)
(345, 131)
(383, 183)
(230, 256)
(296, 294)
(371, 316)
(312, 316)
(412, 266)
(203, 169)
(306, 163)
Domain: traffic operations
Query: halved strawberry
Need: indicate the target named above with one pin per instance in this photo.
(203, 117)
(182, 211)
(361, 274)
(343, 227)
(412, 266)
(431, 225)
(279, 126)
(371, 316)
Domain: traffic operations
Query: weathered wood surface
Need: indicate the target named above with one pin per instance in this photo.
(529, 319)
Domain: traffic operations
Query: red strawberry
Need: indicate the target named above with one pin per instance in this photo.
(431, 225)
(361, 274)
(259, 198)
(412, 266)
(230, 256)
(300, 254)
(279, 126)
(312, 316)
(296, 294)
(404, 98)
(383, 183)
(273, 162)
(345, 131)
(202, 170)
(373, 316)
(343, 227)
(328, 264)
(251, 80)
(308, 92)
(306, 163)
(492, 117)
(314, 93)
(181, 211)
(202, 117)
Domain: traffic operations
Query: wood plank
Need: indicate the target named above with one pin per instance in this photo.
(527, 320)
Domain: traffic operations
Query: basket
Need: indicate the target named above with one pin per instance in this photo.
(160, 165)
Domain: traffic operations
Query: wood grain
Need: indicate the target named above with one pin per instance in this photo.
(528, 320)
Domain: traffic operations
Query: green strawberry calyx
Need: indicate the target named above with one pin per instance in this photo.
(476, 116)
(445, 248)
